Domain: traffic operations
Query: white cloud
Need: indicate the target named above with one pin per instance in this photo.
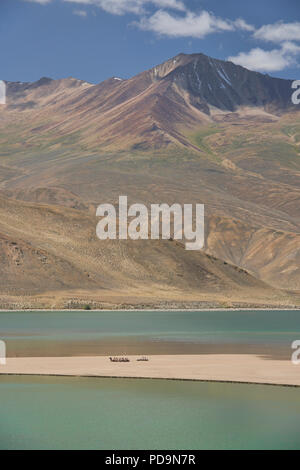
(285, 55)
(190, 25)
(241, 24)
(279, 32)
(41, 2)
(120, 7)
(290, 47)
(268, 61)
(81, 13)
(173, 4)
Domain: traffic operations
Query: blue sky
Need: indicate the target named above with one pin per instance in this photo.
(97, 39)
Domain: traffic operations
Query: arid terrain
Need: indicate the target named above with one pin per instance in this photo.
(192, 130)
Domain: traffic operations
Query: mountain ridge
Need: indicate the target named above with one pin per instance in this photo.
(156, 108)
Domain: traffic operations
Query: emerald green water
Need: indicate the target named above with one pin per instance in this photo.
(78, 413)
(104, 333)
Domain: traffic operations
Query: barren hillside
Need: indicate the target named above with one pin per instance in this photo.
(192, 130)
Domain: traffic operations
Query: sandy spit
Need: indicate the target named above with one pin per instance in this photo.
(218, 367)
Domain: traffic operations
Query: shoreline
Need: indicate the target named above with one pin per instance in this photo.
(234, 368)
(267, 384)
(235, 309)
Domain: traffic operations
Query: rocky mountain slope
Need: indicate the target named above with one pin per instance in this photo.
(191, 130)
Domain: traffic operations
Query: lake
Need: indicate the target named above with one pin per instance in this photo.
(97, 413)
(81, 413)
(269, 333)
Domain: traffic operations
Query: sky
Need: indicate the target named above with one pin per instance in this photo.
(94, 40)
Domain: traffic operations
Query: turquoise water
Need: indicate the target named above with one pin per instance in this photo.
(78, 413)
(69, 333)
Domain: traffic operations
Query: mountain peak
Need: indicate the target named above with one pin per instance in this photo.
(44, 81)
(222, 84)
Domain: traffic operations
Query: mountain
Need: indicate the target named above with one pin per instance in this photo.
(191, 130)
(153, 109)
